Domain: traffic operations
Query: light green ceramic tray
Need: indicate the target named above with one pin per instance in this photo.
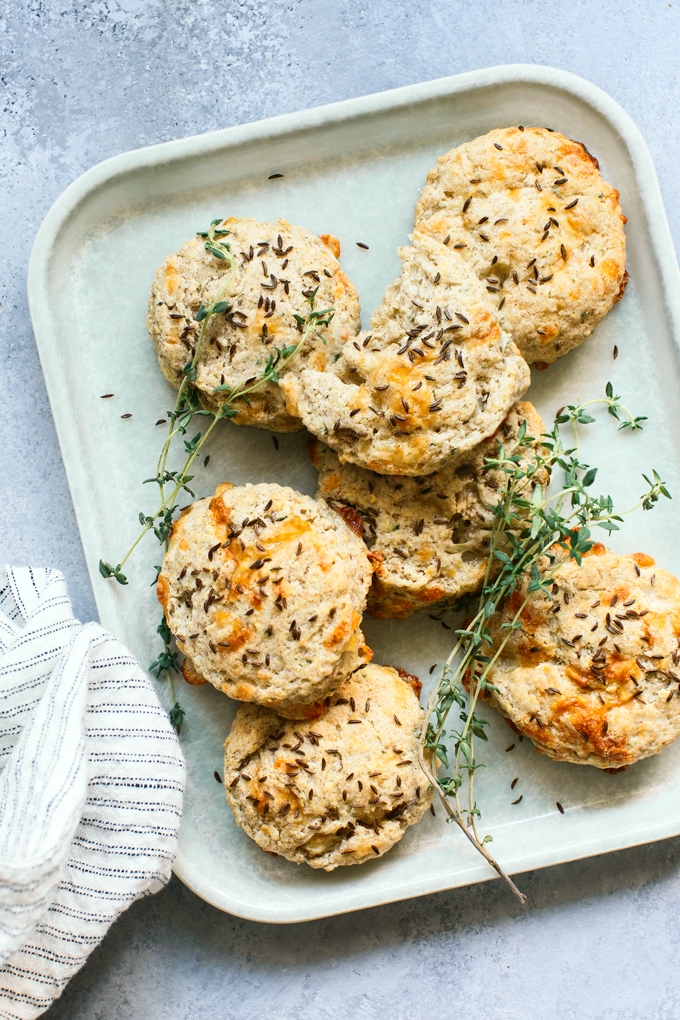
(353, 169)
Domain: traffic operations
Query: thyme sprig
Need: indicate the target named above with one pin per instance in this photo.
(187, 407)
(533, 532)
(167, 663)
(576, 413)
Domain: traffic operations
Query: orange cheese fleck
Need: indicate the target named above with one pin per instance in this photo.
(642, 559)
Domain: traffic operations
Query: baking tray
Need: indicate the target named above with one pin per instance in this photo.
(353, 169)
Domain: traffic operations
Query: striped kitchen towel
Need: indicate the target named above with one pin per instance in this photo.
(91, 784)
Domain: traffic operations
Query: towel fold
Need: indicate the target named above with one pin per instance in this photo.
(91, 784)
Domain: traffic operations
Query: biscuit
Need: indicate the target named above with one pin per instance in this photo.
(340, 790)
(432, 378)
(264, 590)
(430, 534)
(277, 267)
(530, 212)
(592, 676)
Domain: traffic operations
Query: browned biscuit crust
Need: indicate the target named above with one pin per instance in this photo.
(429, 535)
(431, 379)
(339, 790)
(592, 675)
(277, 268)
(529, 210)
(264, 590)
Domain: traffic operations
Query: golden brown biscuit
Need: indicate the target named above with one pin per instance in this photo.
(429, 535)
(592, 675)
(277, 267)
(530, 212)
(340, 790)
(432, 378)
(264, 590)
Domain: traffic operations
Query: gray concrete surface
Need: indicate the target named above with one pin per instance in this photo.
(84, 79)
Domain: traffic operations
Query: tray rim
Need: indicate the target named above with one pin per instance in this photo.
(118, 166)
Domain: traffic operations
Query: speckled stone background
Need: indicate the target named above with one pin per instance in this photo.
(84, 79)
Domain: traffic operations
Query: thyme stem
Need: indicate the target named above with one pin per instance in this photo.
(210, 312)
(455, 815)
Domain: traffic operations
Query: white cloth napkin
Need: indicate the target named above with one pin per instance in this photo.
(91, 784)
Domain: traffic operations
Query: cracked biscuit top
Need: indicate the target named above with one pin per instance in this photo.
(277, 267)
(592, 675)
(531, 214)
(429, 535)
(432, 378)
(264, 590)
(340, 790)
